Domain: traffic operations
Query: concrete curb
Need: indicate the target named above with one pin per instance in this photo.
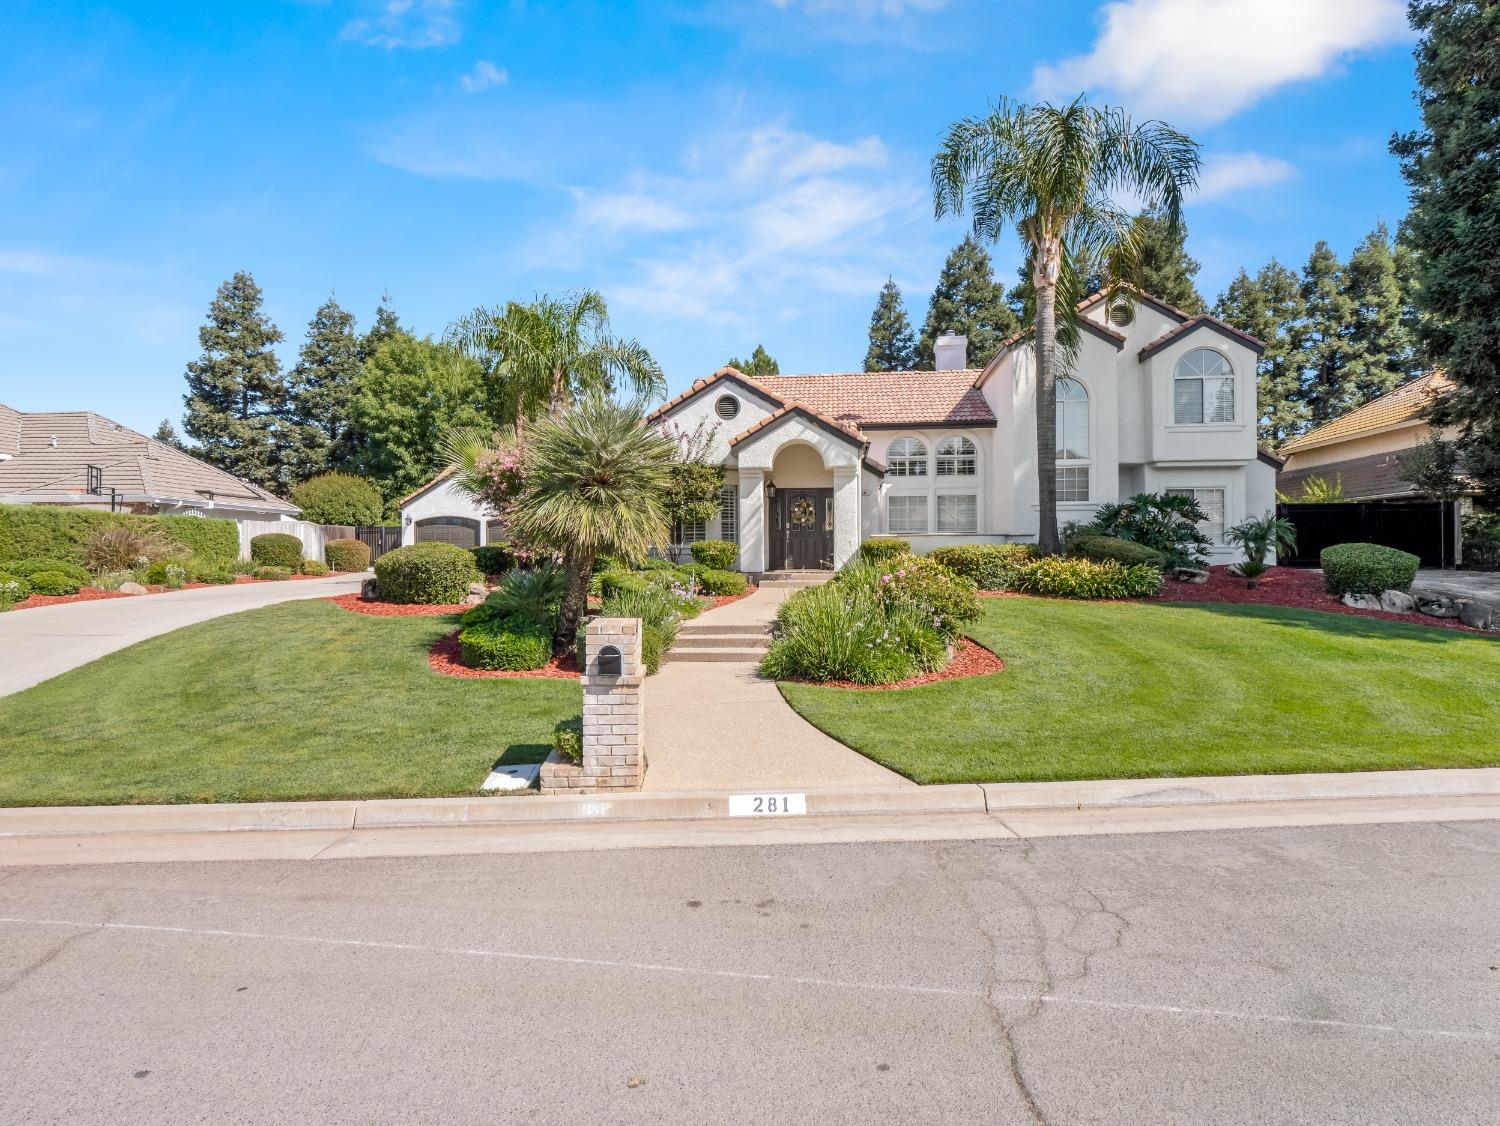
(989, 798)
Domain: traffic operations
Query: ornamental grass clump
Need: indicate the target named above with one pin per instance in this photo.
(845, 631)
(1057, 577)
(660, 612)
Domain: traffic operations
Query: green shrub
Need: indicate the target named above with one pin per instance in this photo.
(64, 533)
(314, 568)
(989, 566)
(845, 631)
(718, 555)
(883, 547)
(13, 588)
(1481, 532)
(123, 547)
(22, 568)
(338, 498)
(430, 573)
(170, 573)
(1058, 577)
(217, 541)
(723, 583)
(530, 597)
(513, 645)
(922, 585)
(1168, 523)
(53, 582)
(567, 739)
(652, 563)
(493, 558)
(216, 578)
(1366, 568)
(275, 574)
(660, 613)
(612, 583)
(347, 554)
(276, 549)
(242, 567)
(1102, 549)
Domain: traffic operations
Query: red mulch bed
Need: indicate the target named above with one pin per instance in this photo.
(87, 594)
(444, 658)
(969, 659)
(378, 609)
(726, 599)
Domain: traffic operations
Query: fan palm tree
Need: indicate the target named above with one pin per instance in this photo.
(545, 354)
(1052, 172)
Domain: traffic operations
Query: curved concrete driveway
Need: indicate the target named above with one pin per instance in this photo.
(41, 643)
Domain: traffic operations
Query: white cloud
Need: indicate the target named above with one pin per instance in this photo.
(630, 211)
(416, 24)
(46, 264)
(1201, 61)
(863, 9)
(484, 76)
(773, 153)
(1230, 172)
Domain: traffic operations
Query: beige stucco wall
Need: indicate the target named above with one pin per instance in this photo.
(1394, 440)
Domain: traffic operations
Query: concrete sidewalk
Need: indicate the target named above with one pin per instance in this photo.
(721, 726)
(41, 643)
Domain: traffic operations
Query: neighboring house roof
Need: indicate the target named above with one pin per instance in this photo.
(1405, 405)
(1202, 320)
(415, 493)
(53, 450)
(1271, 459)
(1373, 477)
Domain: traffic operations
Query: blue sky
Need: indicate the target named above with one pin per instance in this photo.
(726, 173)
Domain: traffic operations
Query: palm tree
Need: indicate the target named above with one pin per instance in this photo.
(548, 353)
(1052, 170)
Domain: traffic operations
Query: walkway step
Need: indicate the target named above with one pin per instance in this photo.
(689, 629)
(703, 641)
(738, 656)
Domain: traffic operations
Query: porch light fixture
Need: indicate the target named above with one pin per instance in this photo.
(770, 489)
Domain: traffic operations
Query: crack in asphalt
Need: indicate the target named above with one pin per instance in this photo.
(51, 955)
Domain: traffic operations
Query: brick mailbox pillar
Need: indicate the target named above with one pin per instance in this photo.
(614, 756)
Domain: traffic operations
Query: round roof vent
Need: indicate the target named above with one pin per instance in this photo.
(727, 407)
(1121, 314)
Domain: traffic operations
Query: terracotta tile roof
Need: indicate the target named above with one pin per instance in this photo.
(797, 408)
(439, 479)
(863, 399)
(1405, 404)
(1201, 320)
(734, 375)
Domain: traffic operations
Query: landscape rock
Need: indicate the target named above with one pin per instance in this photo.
(367, 590)
(1362, 602)
(1437, 606)
(479, 589)
(1397, 602)
(133, 588)
(1190, 575)
(473, 599)
(1476, 615)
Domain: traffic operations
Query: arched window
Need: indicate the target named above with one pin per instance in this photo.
(1203, 388)
(907, 457)
(957, 457)
(1072, 441)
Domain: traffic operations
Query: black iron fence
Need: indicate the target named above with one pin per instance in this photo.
(378, 539)
(1427, 529)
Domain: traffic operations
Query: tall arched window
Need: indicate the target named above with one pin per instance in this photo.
(1203, 388)
(907, 457)
(1072, 441)
(957, 457)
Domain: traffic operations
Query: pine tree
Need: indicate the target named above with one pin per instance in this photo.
(967, 301)
(235, 387)
(1269, 307)
(1167, 269)
(387, 325)
(892, 347)
(1380, 350)
(1322, 338)
(1450, 166)
(316, 436)
(166, 434)
(760, 362)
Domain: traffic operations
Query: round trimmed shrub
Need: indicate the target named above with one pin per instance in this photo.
(1366, 568)
(54, 582)
(276, 549)
(274, 574)
(715, 554)
(338, 498)
(881, 548)
(1105, 548)
(347, 554)
(433, 574)
(512, 645)
(722, 583)
(314, 568)
(989, 566)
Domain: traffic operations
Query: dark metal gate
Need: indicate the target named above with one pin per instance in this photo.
(1427, 529)
(378, 539)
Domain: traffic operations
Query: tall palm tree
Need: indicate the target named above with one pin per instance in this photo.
(1053, 172)
(547, 353)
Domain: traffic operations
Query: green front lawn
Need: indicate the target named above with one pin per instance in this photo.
(296, 701)
(1133, 690)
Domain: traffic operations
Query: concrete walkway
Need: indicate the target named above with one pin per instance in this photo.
(38, 644)
(1482, 585)
(718, 725)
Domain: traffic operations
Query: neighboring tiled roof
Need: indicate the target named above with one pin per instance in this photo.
(56, 447)
(1363, 478)
(10, 430)
(1202, 320)
(1405, 404)
(863, 399)
(1269, 457)
(438, 480)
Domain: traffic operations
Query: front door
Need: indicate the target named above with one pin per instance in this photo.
(806, 528)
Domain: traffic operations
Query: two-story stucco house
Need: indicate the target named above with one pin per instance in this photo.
(1156, 400)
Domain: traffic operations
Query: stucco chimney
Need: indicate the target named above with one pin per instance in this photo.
(950, 353)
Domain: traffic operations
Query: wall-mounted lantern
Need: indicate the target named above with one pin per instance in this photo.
(770, 489)
(609, 661)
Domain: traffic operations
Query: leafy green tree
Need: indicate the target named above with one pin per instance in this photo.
(410, 393)
(1380, 351)
(385, 327)
(1321, 338)
(968, 301)
(1450, 166)
(338, 498)
(891, 345)
(1051, 170)
(235, 388)
(166, 433)
(1268, 306)
(760, 362)
(1434, 467)
(316, 435)
(1167, 269)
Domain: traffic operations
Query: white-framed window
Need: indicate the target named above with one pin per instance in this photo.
(1203, 388)
(1212, 503)
(729, 514)
(906, 513)
(1072, 483)
(957, 457)
(1072, 441)
(957, 512)
(907, 457)
(689, 531)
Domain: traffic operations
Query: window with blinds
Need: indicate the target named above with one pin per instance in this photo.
(1203, 389)
(1211, 501)
(957, 457)
(906, 514)
(729, 514)
(958, 513)
(906, 457)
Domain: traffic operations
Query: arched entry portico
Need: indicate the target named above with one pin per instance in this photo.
(801, 510)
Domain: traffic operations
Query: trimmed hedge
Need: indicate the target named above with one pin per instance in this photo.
(722, 582)
(881, 548)
(1055, 577)
(1366, 568)
(63, 533)
(314, 568)
(1102, 549)
(25, 568)
(718, 555)
(494, 558)
(216, 541)
(567, 739)
(276, 549)
(347, 554)
(430, 573)
(989, 566)
(513, 645)
(338, 498)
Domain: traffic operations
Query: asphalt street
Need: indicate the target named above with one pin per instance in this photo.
(1310, 975)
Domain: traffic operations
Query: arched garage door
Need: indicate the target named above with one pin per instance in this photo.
(457, 530)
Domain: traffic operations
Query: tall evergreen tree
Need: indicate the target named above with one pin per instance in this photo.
(1380, 353)
(1321, 338)
(316, 435)
(1450, 166)
(1167, 269)
(892, 347)
(166, 434)
(386, 327)
(235, 387)
(1269, 306)
(967, 301)
(760, 362)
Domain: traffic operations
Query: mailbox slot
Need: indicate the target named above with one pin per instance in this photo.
(610, 663)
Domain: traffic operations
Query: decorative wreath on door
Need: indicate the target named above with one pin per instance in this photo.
(804, 513)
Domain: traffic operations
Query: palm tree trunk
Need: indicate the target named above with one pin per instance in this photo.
(558, 398)
(1045, 281)
(580, 569)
